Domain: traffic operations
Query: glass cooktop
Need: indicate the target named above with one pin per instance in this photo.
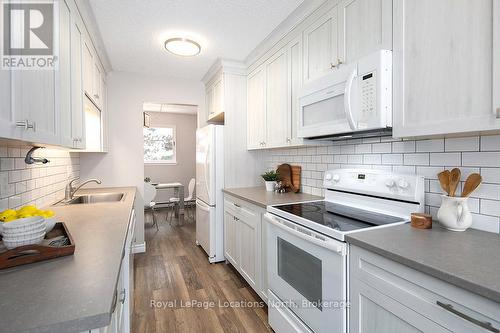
(338, 217)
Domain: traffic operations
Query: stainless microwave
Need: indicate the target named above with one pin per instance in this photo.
(356, 97)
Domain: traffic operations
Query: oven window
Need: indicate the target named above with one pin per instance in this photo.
(327, 110)
(301, 270)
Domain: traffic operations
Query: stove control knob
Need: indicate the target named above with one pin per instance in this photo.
(328, 176)
(390, 183)
(336, 178)
(403, 184)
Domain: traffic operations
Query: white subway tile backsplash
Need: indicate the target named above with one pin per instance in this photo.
(491, 175)
(423, 157)
(490, 143)
(481, 159)
(22, 184)
(403, 147)
(393, 159)
(462, 144)
(445, 159)
(385, 147)
(428, 146)
(416, 159)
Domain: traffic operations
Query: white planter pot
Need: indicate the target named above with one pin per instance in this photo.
(270, 186)
(454, 213)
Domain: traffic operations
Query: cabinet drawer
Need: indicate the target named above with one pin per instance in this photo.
(241, 209)
(437, 300)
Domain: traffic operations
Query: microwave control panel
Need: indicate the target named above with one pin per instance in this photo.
(368, 93)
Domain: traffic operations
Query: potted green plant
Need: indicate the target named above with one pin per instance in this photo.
(270, 178)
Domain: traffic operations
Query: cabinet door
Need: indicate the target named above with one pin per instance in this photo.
(96, 93)
(442, 68)
(88, 68)
(365, 26)
(218, 97)
(295, 77)
(77, 109)
(34, 102)
(321, 45)
(8, 127)
(209, 98)
(256, 109)
(64, 76)
(277, 101)
(374, 312)
(249, 242)
(230, 239)
(263, 259)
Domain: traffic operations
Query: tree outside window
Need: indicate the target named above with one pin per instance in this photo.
(159, 145)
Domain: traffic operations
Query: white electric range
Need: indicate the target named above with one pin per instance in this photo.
(306, 249)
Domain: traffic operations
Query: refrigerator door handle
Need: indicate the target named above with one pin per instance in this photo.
(201, 205)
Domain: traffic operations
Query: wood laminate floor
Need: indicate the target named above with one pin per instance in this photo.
(175, 271)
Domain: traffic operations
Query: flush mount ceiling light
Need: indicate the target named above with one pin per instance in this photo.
(184, 47)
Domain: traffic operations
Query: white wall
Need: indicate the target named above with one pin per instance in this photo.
(185, 168)
(123, 165)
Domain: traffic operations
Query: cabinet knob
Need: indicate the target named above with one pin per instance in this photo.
(339, 62)
(332, 65)
(288, 140)
(497, 113)
(96, 96)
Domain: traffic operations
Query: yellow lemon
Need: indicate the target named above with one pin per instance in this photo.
(10, 219)
(49, 213)
(23, 215)
(27, 210)
(8, 212)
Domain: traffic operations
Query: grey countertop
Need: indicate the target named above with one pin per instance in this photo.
(469, 259)
(260, 197)
(73, 293)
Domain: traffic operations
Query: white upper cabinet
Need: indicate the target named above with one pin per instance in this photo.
(364, 26)
(277, 100)
(63, 76)
(256, 108)
(77, 109)
(295, 77)
(88, 68)
(7, 120)
(215, 98)
(443, 67)
(321, 45)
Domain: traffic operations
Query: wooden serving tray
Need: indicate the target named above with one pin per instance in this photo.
(28, 254)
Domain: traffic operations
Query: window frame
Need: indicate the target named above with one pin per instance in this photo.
(173, 161)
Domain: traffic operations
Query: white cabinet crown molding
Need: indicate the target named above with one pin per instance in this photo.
(226, 66)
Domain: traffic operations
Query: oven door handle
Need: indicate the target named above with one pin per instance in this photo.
(324, 241)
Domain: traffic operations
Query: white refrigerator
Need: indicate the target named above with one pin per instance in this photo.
(209, 185)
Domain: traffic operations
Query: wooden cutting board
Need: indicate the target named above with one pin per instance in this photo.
(285, 175)
(296, 174)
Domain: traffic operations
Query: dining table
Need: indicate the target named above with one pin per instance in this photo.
(178, 193)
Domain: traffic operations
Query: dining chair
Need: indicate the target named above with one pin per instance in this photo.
(189, 201)
(149, 204)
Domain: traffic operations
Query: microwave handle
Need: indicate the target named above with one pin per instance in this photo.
(347, 100)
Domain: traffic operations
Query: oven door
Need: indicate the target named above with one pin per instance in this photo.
(326, 105)
(307, 272)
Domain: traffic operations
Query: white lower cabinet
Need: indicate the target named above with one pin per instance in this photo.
(243, 242)
(387, 297)
(122, 303)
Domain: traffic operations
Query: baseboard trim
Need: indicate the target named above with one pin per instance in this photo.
(139, 248)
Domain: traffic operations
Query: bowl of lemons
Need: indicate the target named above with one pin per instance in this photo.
(26, 219)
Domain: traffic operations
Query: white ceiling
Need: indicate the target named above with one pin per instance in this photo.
(133, 31)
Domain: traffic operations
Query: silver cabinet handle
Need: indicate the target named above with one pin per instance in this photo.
(497, 113)
(288, 140)
(236, 205)
(123, 296)
(484, 324)
(339, 62)
(96, 96)
(26, 125)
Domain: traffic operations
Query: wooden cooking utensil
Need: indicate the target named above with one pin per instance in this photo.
(444, 180)
(471, 184)
(455, 175)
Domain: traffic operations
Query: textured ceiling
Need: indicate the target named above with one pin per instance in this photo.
(133, 31)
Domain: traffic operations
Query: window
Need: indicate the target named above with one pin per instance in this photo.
(159, 145)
